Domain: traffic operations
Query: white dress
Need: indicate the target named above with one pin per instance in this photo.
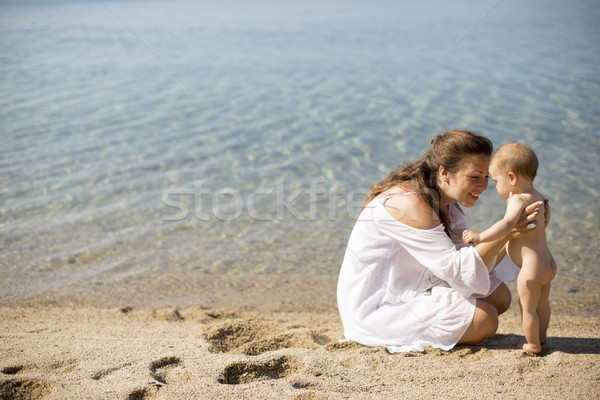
(407, 288)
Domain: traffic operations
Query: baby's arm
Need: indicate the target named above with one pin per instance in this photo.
(470, 236)
(501, 228)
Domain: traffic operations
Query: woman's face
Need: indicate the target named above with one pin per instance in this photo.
(466, 185)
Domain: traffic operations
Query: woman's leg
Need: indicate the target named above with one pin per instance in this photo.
(483, 325)
(500, 298)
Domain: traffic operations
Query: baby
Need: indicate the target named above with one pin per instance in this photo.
(513, 168)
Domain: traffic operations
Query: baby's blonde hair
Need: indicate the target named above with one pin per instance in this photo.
(518, 158)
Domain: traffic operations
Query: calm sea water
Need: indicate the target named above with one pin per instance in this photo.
(196, 138)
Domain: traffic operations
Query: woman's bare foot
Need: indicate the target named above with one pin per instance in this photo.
(532, 348)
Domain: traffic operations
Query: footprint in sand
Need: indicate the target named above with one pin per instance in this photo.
(107, 371)
(25, 388)
(254, 337)
(13, 370)
(142, 394)
(252, 371)
(170, 315)
(62, 366)
(163, 370)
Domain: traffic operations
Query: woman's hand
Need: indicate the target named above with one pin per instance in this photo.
(527, 221)
(546, 212)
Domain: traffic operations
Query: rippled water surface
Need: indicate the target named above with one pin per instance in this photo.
(206, 139)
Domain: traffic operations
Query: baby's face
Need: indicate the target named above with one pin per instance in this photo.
(500, 177)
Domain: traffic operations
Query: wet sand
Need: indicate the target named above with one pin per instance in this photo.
(54, 348)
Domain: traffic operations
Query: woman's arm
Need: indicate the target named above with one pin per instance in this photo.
(487, 251)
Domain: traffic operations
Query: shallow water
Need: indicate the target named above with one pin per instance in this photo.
(197, 139)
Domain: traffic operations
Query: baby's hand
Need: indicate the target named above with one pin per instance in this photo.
(470, 237)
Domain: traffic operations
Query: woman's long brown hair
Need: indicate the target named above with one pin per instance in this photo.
(447, 150)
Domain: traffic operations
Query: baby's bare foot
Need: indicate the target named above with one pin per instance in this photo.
(532, 348)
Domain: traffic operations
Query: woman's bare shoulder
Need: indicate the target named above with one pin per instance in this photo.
(412, 210)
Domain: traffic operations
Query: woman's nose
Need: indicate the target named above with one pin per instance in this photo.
(484, 184)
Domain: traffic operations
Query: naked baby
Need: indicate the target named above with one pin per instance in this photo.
(513, 167)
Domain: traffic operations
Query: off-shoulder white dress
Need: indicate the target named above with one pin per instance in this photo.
(407, 288)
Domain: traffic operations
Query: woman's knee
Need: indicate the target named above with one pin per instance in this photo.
(488, 318)
(505, 298)
(483, 325)
(500, 298)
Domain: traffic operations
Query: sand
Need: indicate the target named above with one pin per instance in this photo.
(67, 351)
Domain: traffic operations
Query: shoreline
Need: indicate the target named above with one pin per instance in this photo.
(258, 293)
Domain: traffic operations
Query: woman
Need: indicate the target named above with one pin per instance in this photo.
(407, 281)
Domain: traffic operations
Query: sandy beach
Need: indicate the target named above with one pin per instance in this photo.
(70, 350)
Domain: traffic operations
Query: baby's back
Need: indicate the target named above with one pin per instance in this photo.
(534, 247)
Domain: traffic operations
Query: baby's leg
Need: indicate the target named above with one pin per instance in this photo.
(530, 292)
(543, 312)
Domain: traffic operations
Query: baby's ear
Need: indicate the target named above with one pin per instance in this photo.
(512, 178)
